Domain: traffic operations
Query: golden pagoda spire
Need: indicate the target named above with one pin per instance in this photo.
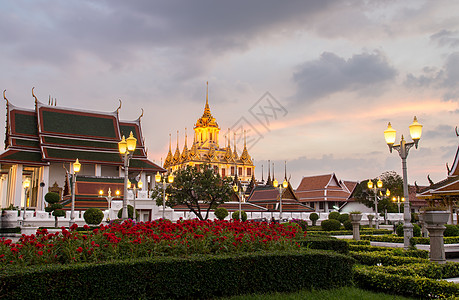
(185, 153)
(235, 156)
(177, 151)
(245, 157)
(169, 157)
(207, 120)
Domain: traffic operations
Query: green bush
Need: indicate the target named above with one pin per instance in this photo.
(343, 218)
(181, 277)
(334, 215)
(52, 197)
(429, 270)
(54, 206)
(394, 251)
(347, 225)
(331, 225)
(221, 213)
(411, 286)
(235, 215)
(130, 213)
(93, 216)
(386, 258)
(363, 231)
(313, 217)
(324, 243)
(10, 230)
(451, 230)
(416, 230)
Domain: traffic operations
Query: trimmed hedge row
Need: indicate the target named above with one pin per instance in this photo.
(349, 232)
(395, 251)
(421, 287)
(324, 243)
(354, 242)
(10, 230)
(204, 276)
(398, 239)
(387, 258)
(429, 270)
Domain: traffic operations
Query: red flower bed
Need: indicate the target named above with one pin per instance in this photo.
(156, 238)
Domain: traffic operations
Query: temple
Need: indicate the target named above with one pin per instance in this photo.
(206, 150)
(42, 143)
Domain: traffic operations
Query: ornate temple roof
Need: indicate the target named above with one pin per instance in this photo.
(207, 120)
(53, 134)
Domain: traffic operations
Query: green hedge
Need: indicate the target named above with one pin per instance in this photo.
(324, 243)
(387, 258)
(396, 251)
(410, 286)
(430, 270)
(205, 276)
(10, 230)
(349, 232)
(397, 239)
(354, 242)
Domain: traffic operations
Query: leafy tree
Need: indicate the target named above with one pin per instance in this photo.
(54, 206)
(200, 190)
(392, 181)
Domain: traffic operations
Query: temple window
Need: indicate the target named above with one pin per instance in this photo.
(240, 171)
(232, 171)
(249, 171)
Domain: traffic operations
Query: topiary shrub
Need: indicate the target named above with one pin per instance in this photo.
(313, 217)
(130, 213)
(343, 218)
(93, 216)
(334, 215)
(331, 225)
(416, 230)
(54, 207)
(221, 213)
(451, 230)
(347, 225)
(235, 215)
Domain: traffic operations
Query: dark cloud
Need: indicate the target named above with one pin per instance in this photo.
(440, 131)
(446, 79)
(330, 74)
(446, 38)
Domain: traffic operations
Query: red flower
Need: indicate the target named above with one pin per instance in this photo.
(40, 253)
(79, 249)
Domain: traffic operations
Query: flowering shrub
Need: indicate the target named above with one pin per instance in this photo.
(149, 239)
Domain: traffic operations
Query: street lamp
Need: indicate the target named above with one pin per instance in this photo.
(241, 196)
(377, 188)
(403, 148)
(170, 179)
(398, 200)
(109, 198)
(280, 187)
(126, 148)
(26, 185)
(76, 169)
(134, 188)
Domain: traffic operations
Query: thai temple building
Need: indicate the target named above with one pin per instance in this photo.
(41, 145)
(206, 149)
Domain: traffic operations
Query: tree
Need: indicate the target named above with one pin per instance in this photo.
(221, 213)
(243, 215)
(54, 206)
(93, 216)
(392, 181)
(201, 190)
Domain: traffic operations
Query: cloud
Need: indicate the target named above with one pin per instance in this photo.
(445, 79)
(440, 131)
(331, 74)
(446, 38)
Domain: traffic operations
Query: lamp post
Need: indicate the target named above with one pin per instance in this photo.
(241, 196)
(170, 179)
(26, 185)
(76, 169)
(280, 187)
(377, 188)
(403, 148)
(126, 148)
(109, 198)
(134, 189)
(398, 200)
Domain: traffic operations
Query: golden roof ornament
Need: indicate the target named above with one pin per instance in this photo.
(207, 120)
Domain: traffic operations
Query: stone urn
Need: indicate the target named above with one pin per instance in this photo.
(355, 220)
(370, 220)
(435, 221)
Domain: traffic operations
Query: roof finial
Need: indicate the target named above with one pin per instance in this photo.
(274, 176)
(170, 141)
(119, 107)
(207, 94)
(244, 139)
(186, 137)
(36, 100)
(285, 170)
(177, 138)
(457, 133)
(4, 97)
(141, 115)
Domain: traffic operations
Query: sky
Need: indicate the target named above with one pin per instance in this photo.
(313, 83)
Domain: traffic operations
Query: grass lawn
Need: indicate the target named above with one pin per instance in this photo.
(347, 293)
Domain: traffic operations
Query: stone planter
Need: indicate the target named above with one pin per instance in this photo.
(355, 220)
(423, 225)
(435, 221)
